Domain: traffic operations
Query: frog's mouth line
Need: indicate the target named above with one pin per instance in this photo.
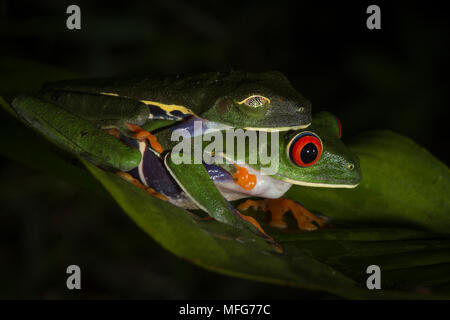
(220, 126)
(277, 128)
(317, 184)
(300, 183)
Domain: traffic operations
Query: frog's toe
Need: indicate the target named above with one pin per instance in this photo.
(254, 204)
(264, 205)
(306, 220)
(255, 224)
(243, 178)
(142, 134)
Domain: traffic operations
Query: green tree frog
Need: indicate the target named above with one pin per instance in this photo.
(125, 126)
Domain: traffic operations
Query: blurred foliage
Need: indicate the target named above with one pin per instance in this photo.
(391, 78)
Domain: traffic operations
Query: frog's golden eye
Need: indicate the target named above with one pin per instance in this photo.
(255, 101)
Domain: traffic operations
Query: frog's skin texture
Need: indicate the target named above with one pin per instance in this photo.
(336, 168)
(217, 97)
(99, 127)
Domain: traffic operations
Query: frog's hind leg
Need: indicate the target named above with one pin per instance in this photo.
(306, 220)
(252, 221)
(198, 185)
(128, 177)
(142, 134)
(114, 132)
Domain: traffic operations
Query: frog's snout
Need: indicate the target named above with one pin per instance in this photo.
(354, 171)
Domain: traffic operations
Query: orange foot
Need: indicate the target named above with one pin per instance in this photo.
(243, 178)
(137, 183)
(254, 223)
(278, 207)
(141, 134)
(114, 132)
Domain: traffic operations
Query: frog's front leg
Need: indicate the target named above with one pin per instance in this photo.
(75, 134)
(142, 134)
(306, 220)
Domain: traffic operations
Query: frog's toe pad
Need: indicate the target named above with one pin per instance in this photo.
(306, 220)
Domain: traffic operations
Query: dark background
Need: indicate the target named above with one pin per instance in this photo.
(391, 78)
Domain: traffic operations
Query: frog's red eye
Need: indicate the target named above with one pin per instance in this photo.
(339, 127)
(305, 149)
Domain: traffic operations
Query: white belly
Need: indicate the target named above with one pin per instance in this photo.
(266, 187)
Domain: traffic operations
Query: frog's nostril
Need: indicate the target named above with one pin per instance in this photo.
(351, 166)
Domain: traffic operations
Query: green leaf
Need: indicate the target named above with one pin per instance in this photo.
(315, 260)
(22, 144)
(402, 184)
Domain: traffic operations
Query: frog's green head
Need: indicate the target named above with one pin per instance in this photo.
(259, 101)
(317, 157)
